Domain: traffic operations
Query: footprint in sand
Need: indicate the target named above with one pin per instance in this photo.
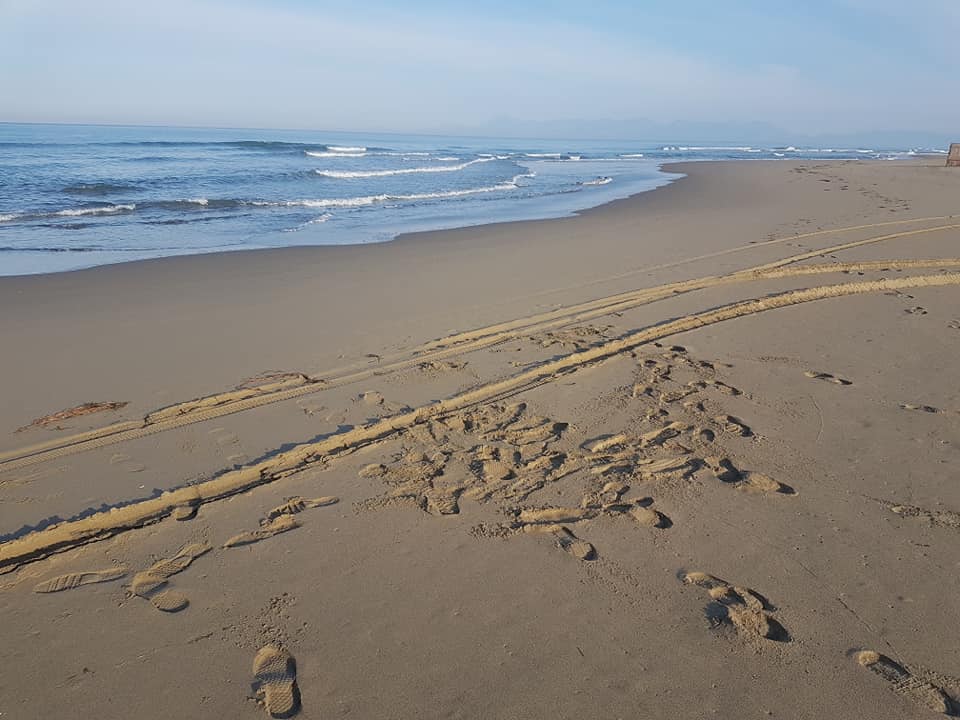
(916, 311)
(654, 469)
(280, 524)
(923, 408)
(705, 435)
(724, 388)
(905, 683)
(375, 399)
(125, 462)
(733, 425)
(443, 500)
(275, 681)
(75, 580)
(295, 505)
(746, 610)
(151, 584)
(565, 540)
(827, 377)
(940, 518)
(224, 437)
(309, 407)
(440, 366)
(747, 481)
(646, 516)
(661, 435)
(607, 497)
(954, 324)
(554, 515)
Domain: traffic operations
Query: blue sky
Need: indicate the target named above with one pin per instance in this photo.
(590, 68)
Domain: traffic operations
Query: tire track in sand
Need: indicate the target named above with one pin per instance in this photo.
(298, 384)
(104, 524)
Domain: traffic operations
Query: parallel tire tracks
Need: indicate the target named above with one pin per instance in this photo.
(104, 524)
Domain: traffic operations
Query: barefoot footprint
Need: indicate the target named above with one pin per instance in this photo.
(275, 681)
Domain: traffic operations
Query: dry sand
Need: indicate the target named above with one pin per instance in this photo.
(690, 454)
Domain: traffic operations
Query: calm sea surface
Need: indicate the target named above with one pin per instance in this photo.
(77, 196)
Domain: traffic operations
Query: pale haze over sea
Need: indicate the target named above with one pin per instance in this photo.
(520, 111)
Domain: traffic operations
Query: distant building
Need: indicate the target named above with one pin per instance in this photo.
(953, 159)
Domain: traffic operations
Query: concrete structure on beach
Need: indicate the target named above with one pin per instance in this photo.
(953, 157)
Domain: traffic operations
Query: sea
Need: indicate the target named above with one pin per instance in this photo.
(78, 196)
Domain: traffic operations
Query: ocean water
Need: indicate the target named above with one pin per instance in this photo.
(78, 196)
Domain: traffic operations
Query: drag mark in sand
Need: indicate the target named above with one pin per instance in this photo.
(104, 524)
(78, 411)
(939, 518)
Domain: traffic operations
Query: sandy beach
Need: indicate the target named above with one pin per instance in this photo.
(691, 454)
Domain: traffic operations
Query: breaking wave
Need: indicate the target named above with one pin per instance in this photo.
(383, 198)
(345, 174)
(598, 181)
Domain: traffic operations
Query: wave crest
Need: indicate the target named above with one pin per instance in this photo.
(375, 199)
(351, 174)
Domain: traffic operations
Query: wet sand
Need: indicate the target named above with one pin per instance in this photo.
(692, 453)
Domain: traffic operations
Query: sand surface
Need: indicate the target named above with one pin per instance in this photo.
(693, 454)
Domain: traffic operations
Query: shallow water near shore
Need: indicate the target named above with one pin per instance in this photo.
(79, 196)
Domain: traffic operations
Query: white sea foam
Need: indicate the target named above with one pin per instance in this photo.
(375, 199)
(327, 154)
(316, 221)
(542, 155)
(346, 149)
(198, 201)
(698, 148)
(632, 155)
(598, 181)
(344, 174)
(8, 217)
(110, 210)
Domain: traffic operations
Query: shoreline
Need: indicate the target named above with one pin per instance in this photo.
(625, 205)
(400, 236)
